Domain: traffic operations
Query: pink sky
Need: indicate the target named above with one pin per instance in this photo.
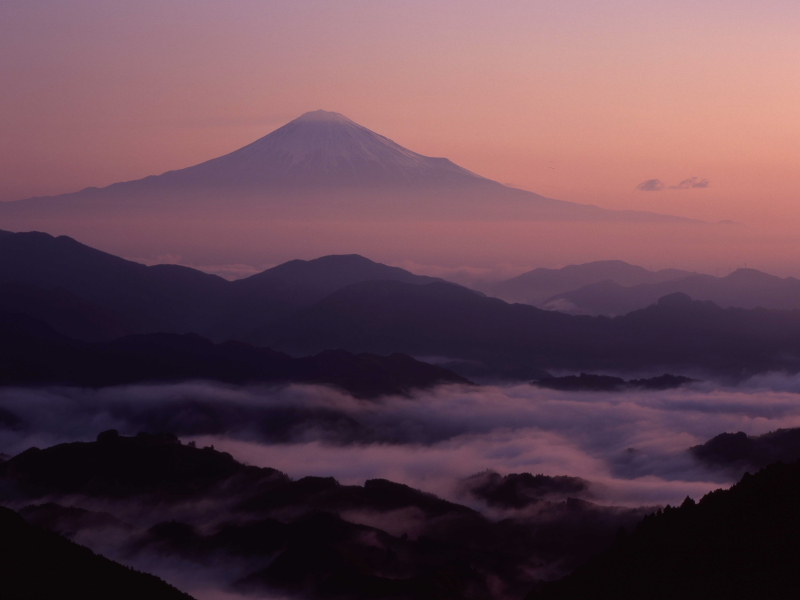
(574, 99)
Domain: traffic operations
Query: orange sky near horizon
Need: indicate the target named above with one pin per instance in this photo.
(573, 99)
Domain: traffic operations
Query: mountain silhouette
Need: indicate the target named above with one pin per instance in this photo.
(282, 290)
(350, 303)
(116, 466)
(32, 353)
(519, 490)
(145, 299)
(745, 288)
(739, 451)
(123, 296)
(539, 285)
(519, 340)
(736, 543)
(35, 563)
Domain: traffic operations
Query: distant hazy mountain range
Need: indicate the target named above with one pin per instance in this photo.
(538, 286)
(613, 288)
(354, 304)
(746, 288)
(320, 165)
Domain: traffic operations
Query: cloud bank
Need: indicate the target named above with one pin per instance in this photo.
(631, 446)
(629, 449)
(691, 183)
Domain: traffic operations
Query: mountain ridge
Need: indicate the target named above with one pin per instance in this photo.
(351, 303)
(744, 288)
(173, 298)
(519, 341)
(536, 286)
(33, 354)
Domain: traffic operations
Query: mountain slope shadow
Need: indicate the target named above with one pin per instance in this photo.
(738, 543)
(37, 564)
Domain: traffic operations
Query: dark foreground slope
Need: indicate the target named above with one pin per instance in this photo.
(256, 530)
(742, 543)
(36, 564)
(31, 353)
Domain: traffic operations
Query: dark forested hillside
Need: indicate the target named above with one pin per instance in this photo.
(741, 543)
(36, 565)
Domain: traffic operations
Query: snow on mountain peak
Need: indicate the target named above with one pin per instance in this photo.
(324, 115)
(323, 146)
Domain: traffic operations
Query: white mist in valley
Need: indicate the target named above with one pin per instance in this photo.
(632, 446)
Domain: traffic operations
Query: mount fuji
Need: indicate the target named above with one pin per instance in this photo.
(321, 164)
(321, 148)
(322, 184)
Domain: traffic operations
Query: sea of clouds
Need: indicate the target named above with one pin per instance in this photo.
(632, 446)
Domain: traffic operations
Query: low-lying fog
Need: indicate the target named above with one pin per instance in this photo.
(631, 445)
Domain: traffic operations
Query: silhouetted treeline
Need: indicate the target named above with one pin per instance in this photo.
(741, 543)
(40, 565)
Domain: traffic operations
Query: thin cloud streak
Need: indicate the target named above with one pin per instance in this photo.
(690, 184)
(656, 185)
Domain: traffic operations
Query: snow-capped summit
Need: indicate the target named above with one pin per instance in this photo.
(323, 115)
(321, 148)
